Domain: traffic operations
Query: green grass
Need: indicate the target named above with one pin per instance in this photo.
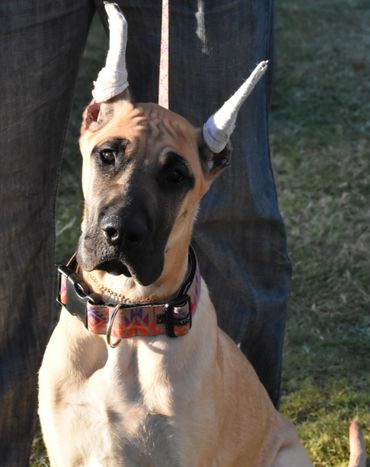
(320, 135)
(321, 154)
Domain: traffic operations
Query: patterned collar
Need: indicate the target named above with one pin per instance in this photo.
(118, 321)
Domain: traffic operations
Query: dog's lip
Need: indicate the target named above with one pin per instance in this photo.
(114, 267)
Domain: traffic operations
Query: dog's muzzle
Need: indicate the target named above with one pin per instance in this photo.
(122, 243)
(126, 240)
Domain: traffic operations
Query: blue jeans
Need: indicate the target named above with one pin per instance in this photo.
(239, 236)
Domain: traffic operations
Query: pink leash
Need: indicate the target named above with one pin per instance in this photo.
(163, 98)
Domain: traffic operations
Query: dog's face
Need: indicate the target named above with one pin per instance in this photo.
(144, 172)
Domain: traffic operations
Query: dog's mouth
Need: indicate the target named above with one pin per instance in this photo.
(114, 267)
(143, 272)
(142, 266)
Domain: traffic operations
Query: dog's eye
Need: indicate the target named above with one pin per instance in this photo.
(175, 176)
(108, 156)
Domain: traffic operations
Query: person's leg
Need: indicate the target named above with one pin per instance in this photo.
(239, 237)
(143, 47)
(41, 43)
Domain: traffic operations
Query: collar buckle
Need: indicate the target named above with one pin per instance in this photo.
(73, 293)
(178, 316)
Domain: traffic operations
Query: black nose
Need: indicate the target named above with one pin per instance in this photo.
(129, 232)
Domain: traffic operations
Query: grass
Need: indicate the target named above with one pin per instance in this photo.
(320, 135)
(321, 155)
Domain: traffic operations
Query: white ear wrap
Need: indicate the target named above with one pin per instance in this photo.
(112, 79)
(219, 127)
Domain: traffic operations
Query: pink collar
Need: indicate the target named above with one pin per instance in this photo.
(119, 321)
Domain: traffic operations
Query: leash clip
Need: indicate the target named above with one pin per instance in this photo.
(178, 316)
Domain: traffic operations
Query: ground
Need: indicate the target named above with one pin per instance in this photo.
(320, 138)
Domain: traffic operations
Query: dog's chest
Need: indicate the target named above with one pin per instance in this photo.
(109, 437)
(121, 415)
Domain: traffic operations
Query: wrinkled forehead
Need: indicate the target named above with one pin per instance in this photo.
(149, 128)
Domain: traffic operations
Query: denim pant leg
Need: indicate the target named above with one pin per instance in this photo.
(239, 236)
(41, 43)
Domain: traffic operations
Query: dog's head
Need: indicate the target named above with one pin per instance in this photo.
(145, 170)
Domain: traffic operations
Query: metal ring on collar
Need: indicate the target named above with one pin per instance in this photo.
(109, 328)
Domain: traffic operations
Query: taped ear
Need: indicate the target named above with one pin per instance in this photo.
(220, 126)
(214, 138)
(213, 163)
(111, 86)
(112, 79)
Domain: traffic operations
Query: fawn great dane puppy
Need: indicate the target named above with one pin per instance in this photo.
(137, 373)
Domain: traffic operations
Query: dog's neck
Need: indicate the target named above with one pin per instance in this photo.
(127, 289)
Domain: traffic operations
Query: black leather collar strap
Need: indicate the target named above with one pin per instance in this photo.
(173, 317)
(73, 292)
